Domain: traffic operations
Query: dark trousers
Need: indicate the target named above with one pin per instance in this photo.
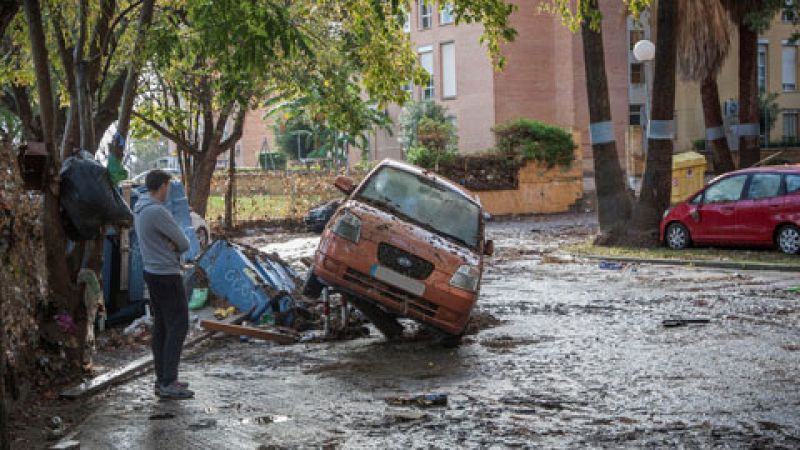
(170, 309)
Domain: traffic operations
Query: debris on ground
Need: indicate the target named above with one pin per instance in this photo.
(423, 400)
(481, 320)
(683, 322)
(610, 265)
(199, 298)
(282, 336)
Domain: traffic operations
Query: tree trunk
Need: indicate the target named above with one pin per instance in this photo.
(200, 181)
(8, 9)
(62, 290)
(749, 151)
(117, 146)
(614, 203)
(82, 82)
(656, 184)
(720, 152)
(230, 193)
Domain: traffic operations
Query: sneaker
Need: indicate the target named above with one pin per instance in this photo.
(174, 391)
(182, 384)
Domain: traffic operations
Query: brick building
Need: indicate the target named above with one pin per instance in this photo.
(543, 79)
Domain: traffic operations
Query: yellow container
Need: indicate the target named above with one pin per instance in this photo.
(688, 174)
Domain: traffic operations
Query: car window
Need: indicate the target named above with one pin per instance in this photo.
(727, 190)
(764, 185)
(792, 183)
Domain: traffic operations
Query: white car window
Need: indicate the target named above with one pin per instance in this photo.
(764, 185)
(727, 190)
(792, 183)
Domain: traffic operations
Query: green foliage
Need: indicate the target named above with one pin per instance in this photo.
(272, 161)
(699, 145)
(429, 158)
(574, 13)
(410, 119)
(533, 140)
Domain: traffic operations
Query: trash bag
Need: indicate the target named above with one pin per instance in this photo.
(89, 200)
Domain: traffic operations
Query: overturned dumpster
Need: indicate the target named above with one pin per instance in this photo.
(253, 282)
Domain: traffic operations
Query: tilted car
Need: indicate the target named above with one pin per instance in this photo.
(405, 243)
(757, 207)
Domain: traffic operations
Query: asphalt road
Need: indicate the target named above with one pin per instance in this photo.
(581, 359)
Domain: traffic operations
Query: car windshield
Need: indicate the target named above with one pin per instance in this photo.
(425, 202)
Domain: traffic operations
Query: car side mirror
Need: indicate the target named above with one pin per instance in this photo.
(344, 184)
(488, 248)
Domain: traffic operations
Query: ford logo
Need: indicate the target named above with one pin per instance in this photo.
(404, 262)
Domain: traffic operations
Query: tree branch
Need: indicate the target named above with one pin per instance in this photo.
(174, 137)
(238, 129)
(8, 10)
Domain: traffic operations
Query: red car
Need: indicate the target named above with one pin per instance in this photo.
(750, 207)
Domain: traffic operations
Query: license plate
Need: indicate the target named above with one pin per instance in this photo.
(397, 280)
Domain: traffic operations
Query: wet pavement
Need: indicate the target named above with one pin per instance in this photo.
(581, 360)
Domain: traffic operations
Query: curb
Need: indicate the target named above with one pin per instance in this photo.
(710, 264)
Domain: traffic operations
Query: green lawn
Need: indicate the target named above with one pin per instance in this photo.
(691, 254)
(259, 207)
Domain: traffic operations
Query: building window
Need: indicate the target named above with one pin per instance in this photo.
(446, 15)
(238, 150)
(635, 115)
(425, 14)
(407, 23)
(448, 70)
(762, 68)
(790, 125)
(637, 73)
(636, 36)
(788, 12)
(789, 67)
(426, 61)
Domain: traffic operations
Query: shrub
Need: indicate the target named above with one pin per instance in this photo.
(410, 119)
(427, 158)
(272, 160)
(699, 145)
(532, 140)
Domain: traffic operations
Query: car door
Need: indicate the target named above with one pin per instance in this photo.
(791, 199)
(717, 213)
(757, 213)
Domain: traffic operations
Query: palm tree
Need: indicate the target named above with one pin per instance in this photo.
(614, 203)
(704, 39)
(656, 183)
(742, 12)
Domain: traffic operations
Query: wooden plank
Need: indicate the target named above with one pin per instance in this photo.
(239, 330)
(140, 365)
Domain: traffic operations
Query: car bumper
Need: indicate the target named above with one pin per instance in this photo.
(351, 268)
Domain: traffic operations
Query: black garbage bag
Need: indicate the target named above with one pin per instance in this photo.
(89, 200)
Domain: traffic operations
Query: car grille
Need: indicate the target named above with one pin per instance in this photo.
(414, 267)
(403, 301)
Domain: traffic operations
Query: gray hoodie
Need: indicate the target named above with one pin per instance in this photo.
(156, 229)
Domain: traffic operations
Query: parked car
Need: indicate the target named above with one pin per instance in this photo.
(200, 226)
(405, 243)
(750, 207)
(319, 215)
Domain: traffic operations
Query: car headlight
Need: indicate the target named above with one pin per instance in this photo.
(466, 277)
(348, 226)
(666, 213)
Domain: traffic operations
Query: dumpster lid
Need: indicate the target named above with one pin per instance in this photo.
(688, 159)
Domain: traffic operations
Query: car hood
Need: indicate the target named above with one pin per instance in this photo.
(382, 226)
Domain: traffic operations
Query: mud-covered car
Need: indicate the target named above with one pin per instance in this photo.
(405, 243)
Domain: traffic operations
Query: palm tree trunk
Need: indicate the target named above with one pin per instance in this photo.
(720, 152)
(749, 151)
(656, 184)
(614, 203)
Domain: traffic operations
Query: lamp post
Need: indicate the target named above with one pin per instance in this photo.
(645, 51)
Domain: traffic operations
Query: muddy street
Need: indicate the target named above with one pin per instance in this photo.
(580, 358)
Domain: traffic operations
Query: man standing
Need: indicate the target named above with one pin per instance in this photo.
(162, 242)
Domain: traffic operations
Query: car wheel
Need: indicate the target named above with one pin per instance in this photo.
(202, 237)
(385, 323)
(312, 288)
(789, 239)
(677, 236)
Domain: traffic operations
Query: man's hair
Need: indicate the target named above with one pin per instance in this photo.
(155, 179)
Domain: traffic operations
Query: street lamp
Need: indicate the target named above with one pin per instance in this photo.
(645, 51)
